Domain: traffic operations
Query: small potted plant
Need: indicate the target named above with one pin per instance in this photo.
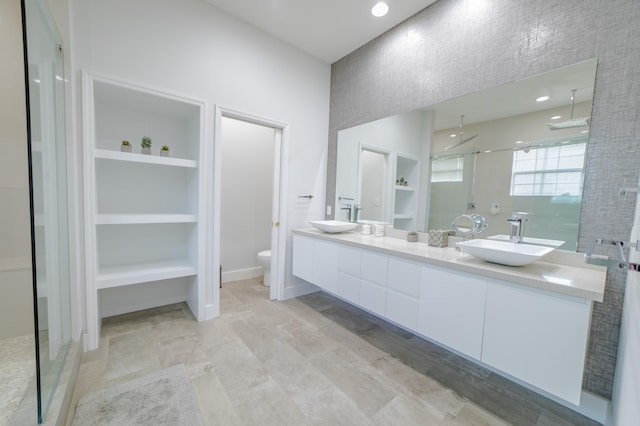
(125, 147)
(402, 182)
(164, 151)
(412, 236)
(145, 145)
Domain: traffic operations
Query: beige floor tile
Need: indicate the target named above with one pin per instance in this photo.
(405, 411)
(444, 404)
(272, 363)
(237, 368)
(472, 415)
(214, 333)
(266, 404)
(185, 350)
(406, 379)
(214, 403)
(132, 353)
(346, 339)
(333, 407)
(356, 379)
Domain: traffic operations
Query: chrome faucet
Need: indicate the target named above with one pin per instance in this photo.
(348, 209)
(517, 221)
(356, 212)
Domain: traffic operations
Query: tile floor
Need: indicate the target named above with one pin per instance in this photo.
(17, 374)
(305, 361)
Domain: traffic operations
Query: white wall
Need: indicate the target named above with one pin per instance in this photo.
(247, 191)
(191, 48)
(16, 295)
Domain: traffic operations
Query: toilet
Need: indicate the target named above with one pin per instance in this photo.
(264, 259)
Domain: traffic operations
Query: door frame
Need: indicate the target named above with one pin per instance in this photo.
(279, 199)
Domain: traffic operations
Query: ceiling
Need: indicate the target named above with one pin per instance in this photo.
(519, 96)
(326, 29)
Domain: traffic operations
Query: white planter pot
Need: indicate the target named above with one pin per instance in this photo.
(145, 151)
(125, 148)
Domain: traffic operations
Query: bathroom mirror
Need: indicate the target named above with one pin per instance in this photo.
(509, 141)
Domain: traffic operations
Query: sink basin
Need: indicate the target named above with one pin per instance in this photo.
(333, 226)
(530, 240)
(504, 252)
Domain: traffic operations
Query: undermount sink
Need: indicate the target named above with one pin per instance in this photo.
(333, 226)
(504, 252)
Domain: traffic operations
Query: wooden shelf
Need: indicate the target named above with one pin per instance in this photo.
(143, 158)
(118, 276)
(123, 219)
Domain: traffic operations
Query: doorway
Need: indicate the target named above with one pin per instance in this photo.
(243, 200)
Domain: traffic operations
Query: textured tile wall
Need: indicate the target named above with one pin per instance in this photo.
(455, 47)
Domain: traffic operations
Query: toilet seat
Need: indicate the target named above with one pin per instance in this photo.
(265, 254)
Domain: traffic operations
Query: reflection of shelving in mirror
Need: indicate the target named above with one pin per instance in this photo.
(406, 197)
(404, 188)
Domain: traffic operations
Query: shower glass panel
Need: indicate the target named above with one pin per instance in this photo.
(47, 140)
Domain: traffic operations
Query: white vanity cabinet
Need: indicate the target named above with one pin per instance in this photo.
(316, 261)
(302, 266)
(403, 292)
(325, 265)
(373, 281)
(538, 337)
(452, 309)
(348, 282)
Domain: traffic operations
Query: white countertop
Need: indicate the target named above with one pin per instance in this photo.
(560, 272)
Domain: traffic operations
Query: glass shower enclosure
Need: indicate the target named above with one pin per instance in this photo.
(46, 83)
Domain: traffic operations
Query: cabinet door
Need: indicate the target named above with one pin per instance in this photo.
(403, 292)
(537, 337)
(302, 266)
(373, 268)
(452, 309)
(325, 265)
(348, 287)
(373, 297)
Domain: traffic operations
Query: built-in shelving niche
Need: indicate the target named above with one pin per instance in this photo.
(143, 215)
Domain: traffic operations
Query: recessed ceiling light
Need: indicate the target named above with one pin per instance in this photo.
(556, 117)
(543, 98)
(453, 135)
(379, 9)
(518, 141)
(584, 131)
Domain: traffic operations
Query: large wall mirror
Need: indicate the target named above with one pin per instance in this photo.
(516, 147)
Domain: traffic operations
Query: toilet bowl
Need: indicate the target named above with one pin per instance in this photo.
(264, 259)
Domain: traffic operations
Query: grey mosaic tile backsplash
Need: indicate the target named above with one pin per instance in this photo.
(455, 47)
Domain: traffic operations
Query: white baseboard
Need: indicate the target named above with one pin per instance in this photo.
(242, 274)
(211, 312)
